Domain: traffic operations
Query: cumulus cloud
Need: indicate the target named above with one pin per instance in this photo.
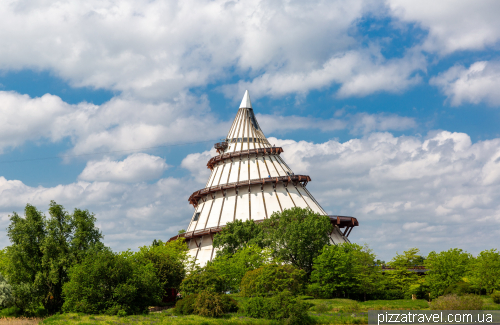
(158, 48)
(129, 215)
(135, 168)
(479, 83)
(359, 73)
(196, 163)
(359, 123)
(124, 124)
(453, 25)
(120, 124)
(434, 193)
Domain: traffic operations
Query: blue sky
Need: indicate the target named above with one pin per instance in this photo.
(392, 108)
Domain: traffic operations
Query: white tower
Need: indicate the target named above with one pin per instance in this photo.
(249, 181)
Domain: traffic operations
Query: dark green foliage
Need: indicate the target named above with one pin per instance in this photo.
(232, 268)
(236, 235)
(106, 282)
(460, 289)
(6, 298)
(334, 272)
(168, 259)
(496, 297)
(297, 236)
(203, 279)
(484, 271)
(210, 304)
(272, 279)
(185, 306)
(446, 268)
(454, 302)
(389, 294)
(282, 306)
(43, 250)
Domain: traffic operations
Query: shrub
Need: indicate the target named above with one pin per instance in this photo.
(496, 297)
(206, 303)
(270, 279)
(211, 304)
(455, 302)
(204, 279)
(6, 298)
(185, 306)
(106, 283)
(282, 306)
(460, 289)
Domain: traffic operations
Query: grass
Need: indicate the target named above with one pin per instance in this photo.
(324, 311)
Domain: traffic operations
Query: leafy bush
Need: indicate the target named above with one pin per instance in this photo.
(211, 304)
(206, 303)
(455, 302)
(185, 306)
(203, 279)
(460, 289)
(6, 298)
(496, 297)
(273, 278)
(106, 282)
(282, 306)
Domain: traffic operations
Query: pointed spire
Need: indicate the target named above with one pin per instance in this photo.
(245, 102)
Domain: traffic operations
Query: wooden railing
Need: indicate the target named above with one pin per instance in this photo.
(194, 198)
(339, 221)
(266, 151)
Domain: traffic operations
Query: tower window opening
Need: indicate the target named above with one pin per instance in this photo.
(196, 216)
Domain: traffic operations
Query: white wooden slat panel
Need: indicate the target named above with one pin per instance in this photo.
(228, 211)
(244, 170)
(204, 215)
(233, 177)
(242, 206)
(286, 202)
(258, 211)
(213, 219)
(272, 204)
(254, 170)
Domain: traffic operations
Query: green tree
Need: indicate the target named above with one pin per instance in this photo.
(367, 275)
(111, 283)
(41, 252)
(168, 259)
(202, 279)
(334, 271)
(297, 236)
(445, 268)
(237, 235)
(232, 268)
(272, 279)
(484, 271)
(401, 277)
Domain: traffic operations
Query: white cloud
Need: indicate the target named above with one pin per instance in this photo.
(135, 168)
(125, 124)
(359, 73)
(434, 193)
(120, 124)
(196, 163)
(479, 83)
(158, 48)
(453, 25)
(129, 215)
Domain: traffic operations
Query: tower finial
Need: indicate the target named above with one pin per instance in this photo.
(245, 102)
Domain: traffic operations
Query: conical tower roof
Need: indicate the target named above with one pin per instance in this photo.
(249, 181)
